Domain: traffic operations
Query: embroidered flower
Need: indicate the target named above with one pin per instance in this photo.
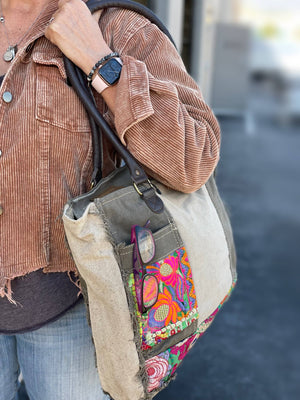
(170, 274)
(164, 311)
(157, 369)
(166, 270)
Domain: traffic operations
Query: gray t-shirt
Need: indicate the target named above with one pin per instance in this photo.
(40, 298)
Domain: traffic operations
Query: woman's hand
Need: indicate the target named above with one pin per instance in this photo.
(77, 34)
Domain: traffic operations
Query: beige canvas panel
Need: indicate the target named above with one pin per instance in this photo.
(117, 358)
(203, 235)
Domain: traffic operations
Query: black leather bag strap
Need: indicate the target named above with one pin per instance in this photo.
(81, 88)
(79, 84)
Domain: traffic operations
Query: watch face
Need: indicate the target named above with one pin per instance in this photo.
(111, 71)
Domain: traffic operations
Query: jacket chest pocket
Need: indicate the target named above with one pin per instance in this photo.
(64, 137)
(57, 103)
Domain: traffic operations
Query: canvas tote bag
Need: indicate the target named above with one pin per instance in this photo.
(138, 353)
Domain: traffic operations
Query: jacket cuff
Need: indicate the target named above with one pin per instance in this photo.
(133, 102)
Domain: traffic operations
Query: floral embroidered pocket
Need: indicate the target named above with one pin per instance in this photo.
(175, 309)
(163, 300)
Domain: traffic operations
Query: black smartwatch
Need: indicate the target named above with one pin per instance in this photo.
(110, 71)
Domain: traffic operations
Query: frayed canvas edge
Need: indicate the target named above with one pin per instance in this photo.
(142, 374)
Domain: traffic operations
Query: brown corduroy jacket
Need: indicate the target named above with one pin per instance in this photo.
(46, 143)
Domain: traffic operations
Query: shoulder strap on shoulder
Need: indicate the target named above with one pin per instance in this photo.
(95, 5)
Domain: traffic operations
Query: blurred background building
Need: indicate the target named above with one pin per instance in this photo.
(226, 44)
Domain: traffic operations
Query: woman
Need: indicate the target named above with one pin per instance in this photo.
(158, 113)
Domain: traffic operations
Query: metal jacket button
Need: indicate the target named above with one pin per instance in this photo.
(7, 97)
(0, 153)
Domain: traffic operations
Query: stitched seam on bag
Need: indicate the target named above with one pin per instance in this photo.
(104, 202)
(124, 253)
(174, 228)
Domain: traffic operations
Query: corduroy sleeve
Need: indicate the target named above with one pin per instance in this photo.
(160, 114)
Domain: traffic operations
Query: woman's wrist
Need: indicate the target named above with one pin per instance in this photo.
(91, 59)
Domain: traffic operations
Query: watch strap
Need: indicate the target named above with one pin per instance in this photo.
(99, 85)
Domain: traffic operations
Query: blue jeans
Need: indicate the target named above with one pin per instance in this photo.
(57, 361)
